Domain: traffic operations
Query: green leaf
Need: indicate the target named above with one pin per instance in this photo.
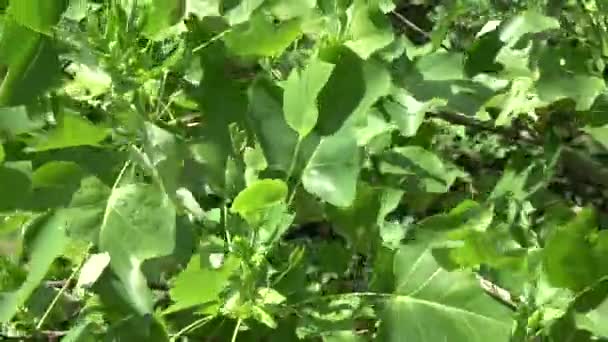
(565, 269)
(32, 68)
(162, 150)
(353, 88)
(38, 15)
(599, 134)
(48, 243)
(421, 170)
(143, 214)
(442, 66)
(15, 121)
(431, 304)
(204, 8)
(200, 284)
(333, 169)
(369, 29)
(86, 209)
(408, 113)
(92, 268)
(594, 320)
(581, 88)
(71, 131)
(259, 196)
(162, 14)
(15, 182)
(261, 37)
(300, 96)
(240, 11)
(528, 22)
(267, 119)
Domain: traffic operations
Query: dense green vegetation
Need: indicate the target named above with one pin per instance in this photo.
(318, 170)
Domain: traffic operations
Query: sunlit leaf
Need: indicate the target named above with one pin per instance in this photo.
(300, 96)
(141, 213)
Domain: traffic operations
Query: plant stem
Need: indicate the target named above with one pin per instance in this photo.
(194, 325)
(294, 159)
(61, 291)
(236, 330)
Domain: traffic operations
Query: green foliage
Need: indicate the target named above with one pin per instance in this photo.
(317, 170)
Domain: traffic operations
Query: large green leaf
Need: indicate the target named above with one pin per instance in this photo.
(268, 119)
(528, 22)
(566, 269)
(38, 15)
(162, 150)
(421, 170)
(31, 69)
(138, 224)
(261, 37)
(333, 169)
(15, 121)
(431, 304)
(162, 14)
(48, 243)
(15, 182)
(353, 88)
(71, 131)
(200, 283)
(300, 96)
(259, 196)
(369, 29)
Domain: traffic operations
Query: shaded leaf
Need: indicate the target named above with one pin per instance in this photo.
(333, 169)
(47, 244)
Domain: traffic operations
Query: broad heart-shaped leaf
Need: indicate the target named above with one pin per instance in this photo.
(15, 184)
(407, 112)
(86, 209)
(15, 121)
(598, 133)
(162, 150)
(431, 304)
(333, 169)
(200, 284)
(369, 29)
(566, 269)
(300, 96)
(38, 15)
(353, 88)
(259, 196)
(421, 170)
(441, 66)
(528, 22)
(162, 14)
(138, 224)
(47, 244)
(267, 119)
(31, 69)
(240, 10)
(71, 131)
(261, 37)
(581, 88)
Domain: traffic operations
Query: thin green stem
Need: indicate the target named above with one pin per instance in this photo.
(194, 325)
(236, 330)
(212, 40)
(60, 293)
(294, 159)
